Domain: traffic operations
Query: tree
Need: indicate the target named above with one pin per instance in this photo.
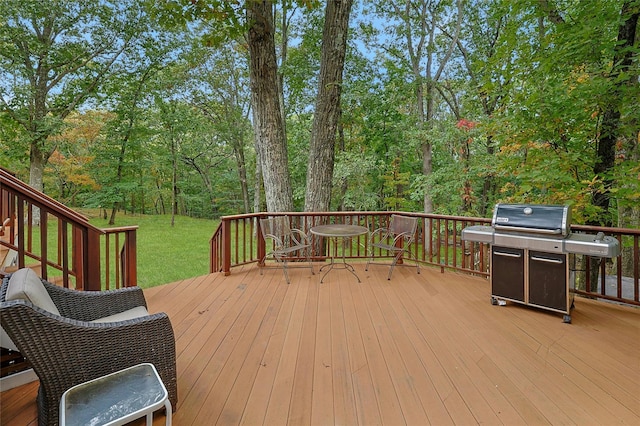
(626, 52)
(220, 90)
(54, 56)
(127, 95)
(327, 111)
(254, 21)
(479, 87)
(72, 160)
(265, 99)
(573, 106)
(420, 50)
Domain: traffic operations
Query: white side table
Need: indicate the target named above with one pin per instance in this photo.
(116, 399)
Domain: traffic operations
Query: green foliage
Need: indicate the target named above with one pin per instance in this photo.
(549, 143)
(353, 171)
(176, 101)
(55, 55)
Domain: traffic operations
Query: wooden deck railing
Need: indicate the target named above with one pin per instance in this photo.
(238, 241)
(61, 244)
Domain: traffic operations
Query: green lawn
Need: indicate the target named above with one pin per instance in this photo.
(165, 253)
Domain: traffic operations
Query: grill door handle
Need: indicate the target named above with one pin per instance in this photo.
(501, 253)
(531, 230)
(544, 259)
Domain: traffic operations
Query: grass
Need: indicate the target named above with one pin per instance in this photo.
(167, 254)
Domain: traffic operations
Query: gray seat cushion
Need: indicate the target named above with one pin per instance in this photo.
(24, 284)
(137, 312)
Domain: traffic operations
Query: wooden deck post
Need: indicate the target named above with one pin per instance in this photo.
(226, 241)
(129, 259)
(262, 249)
(91, 266)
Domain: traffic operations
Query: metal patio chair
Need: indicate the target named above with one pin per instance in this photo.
(286, 242)
(395, 240)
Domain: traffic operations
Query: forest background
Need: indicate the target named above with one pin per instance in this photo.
(442, 106)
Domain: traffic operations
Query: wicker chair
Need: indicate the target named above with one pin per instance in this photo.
(395, 240)
(67, 349)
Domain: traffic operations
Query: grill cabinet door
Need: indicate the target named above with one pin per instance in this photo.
(548, 280)
(507, 273)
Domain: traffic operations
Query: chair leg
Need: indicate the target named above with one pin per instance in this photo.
(262, 262)
(393, 265)
(310, 262)
(366, 268)
(398, 256)
(284, 269)
(415, 260)
(284, 266)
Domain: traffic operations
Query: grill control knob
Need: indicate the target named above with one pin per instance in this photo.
(528, 210)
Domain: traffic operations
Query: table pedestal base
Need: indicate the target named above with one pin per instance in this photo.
(338, 265)
(336, 231)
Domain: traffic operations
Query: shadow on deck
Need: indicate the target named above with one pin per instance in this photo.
(419, 349)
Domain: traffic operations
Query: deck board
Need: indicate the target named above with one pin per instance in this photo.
(418, 349)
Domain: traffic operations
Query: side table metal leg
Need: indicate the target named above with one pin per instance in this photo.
(169, 413)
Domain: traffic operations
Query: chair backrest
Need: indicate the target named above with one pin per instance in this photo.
(277, 227)
(403, 225)
(24, 284)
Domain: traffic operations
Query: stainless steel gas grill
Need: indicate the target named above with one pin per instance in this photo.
(532, 248)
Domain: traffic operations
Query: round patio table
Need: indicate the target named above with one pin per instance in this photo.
(336, 231)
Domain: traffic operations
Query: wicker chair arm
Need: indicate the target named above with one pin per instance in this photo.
(65, 352)
(91, 305)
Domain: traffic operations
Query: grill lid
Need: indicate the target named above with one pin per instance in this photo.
(532, 218)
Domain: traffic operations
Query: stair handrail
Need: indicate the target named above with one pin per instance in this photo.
(83, 244)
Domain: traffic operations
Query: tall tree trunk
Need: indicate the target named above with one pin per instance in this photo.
(36, 171)
(242, 174)
(488, 183)
(427, 148)
(327, 110)
(284, 48)
(344, 186)
(265, 101)
(424, 48)
(257, 185)
(119, 172)
(610, 130)
(629, 213)
(174, 180)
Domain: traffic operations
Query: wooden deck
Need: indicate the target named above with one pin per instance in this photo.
(419, 349)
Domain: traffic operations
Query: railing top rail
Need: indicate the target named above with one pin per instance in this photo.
(361, 213)
(44, 200)
(627, 231)
(119, 229)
